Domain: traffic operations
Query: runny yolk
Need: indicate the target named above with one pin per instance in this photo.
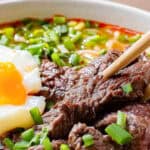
(12, 90)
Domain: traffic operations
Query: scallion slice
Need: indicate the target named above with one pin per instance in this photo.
(64, 147)
(21, 145)
(88, 140)
(28, 134)
(35, 140)
(118, 134)
(127, 88)
(74, 59)
(59, 19)
(103, 52)
(36, 116)
(47, 144)
(121, 119)
(68, 43)
(8, 143)
(56, 58)
(134, 38)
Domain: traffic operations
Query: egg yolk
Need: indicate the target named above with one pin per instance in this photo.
(12, 90)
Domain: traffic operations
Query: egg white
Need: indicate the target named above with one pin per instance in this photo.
(12, 117)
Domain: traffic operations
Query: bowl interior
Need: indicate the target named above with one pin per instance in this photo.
(90, 9)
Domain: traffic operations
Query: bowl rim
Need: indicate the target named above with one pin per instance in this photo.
(104, 2)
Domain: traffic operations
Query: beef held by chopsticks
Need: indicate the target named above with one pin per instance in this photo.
(88, 96)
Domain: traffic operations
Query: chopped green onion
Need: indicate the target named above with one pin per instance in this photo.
(36, 116)
(4, 40)
(59, 19)
(123, 38)
(69, 44)
(88, 140)
(121, 119)
(35, 140)
(47, 144)
(64, 147)
(118, 134)
(38, 32)
(77, 37)
(8, 143)
(56, 58)
(74, 59)
(21, 145)
(28, 134)
(95, 39)
(35, 49)
(127, 88)
(103, 52)
(134, 38)
(9, 32)
(72, 32)
(53, 36)
(43, 134)
(61, 29)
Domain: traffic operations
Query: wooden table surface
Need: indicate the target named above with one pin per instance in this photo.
(143, 4)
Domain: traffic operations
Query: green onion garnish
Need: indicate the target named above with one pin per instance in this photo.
(64, 147)
(36, 116)
(59, 19)
(127, 88)
(35, 49)
(35, 140)
(43, 134)
(118, 134)
(88, 140)
(123, 38)
(47, 144)
(74, 59)
(9, 32)
(103, 52)
(92, 40)
(77, 37)
(8, 143)
(134, 38)
(69, 44)
(21, 145)
(28, 134)
(61, 29)
(121, 119)
(56, 58)
(4, 40)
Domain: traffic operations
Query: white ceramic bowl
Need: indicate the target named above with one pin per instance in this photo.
(105, 11)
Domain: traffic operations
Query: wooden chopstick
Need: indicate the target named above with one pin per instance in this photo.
(128, 56)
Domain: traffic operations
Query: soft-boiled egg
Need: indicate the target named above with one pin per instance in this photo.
(19, 80)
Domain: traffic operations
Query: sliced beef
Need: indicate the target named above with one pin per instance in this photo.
(56, 80)
(138, 124)
(75, 138)
(91, 93)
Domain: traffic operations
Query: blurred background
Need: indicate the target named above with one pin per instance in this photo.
(143, 4)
